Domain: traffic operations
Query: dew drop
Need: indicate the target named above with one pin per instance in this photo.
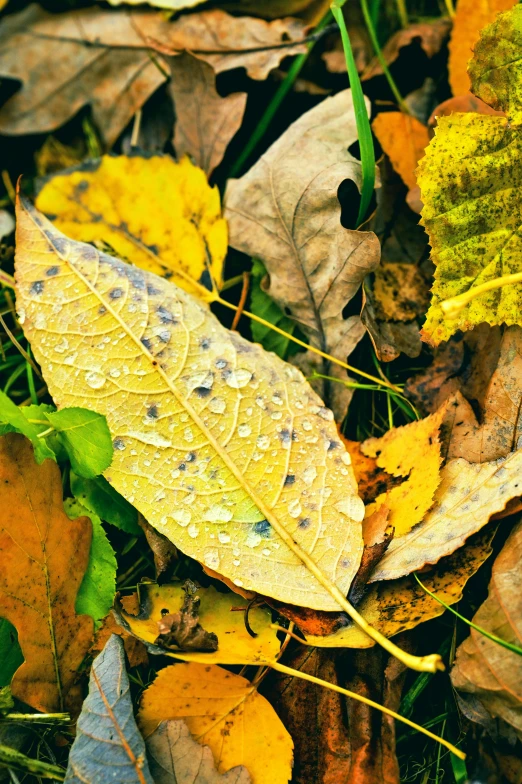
(114, 373)
(223, 537)
(217, 405)
(237, 379)
(188, 435)
(211, 558)
(182, 516)
(307, 425)
(294, 508)
(193, 530)
(309, 474)
(244, 430)
(263, 442)
(94, 380)
(217, 513)
(252, 539)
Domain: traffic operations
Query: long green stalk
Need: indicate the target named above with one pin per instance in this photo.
(378, 51)
(364, 131)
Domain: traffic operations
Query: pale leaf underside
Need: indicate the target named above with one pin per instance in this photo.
(219, 444)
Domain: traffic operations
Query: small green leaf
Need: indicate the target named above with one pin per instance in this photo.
(86, 437)
(96, 594)
(10, 652)
(99, 497)
(14, 419)
(264, 306)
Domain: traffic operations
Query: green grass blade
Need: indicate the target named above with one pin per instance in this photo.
(361, 116)
(378, 51)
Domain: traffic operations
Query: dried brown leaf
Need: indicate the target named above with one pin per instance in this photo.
(205, 122)
(482, 667)
(285, 211)
(430, 35)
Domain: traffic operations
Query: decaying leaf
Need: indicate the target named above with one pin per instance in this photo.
(350, 743)
(225, 712)
(403, 139)
(482, 667)
(158, 214)
(398, 605)
(471, 17)
(412, 452)
(38, 588)
(108, 743)
(164, 552)
(285, 210)
(399, 291)
(205, 122)
(461, 103)
(176, 758)
(468, 495)
(430, 36)
(182, 630)
(247, 460)
(220, 613)
(500, 429)
(106, 59)
(470, 191)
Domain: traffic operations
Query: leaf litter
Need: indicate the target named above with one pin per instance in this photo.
(261, 520)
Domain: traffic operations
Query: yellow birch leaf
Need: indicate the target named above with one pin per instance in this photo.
(394, 606)
(403, 139)
(471, 17)
(159, 214)
(413, 452)
(221, 613)
(225, 712)
(468, 495)
(223, 447)
(471, 188)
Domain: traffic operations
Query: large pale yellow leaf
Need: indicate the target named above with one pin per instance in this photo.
(286, 212)
(394, 606)
(225, 712)
(468, 494)
(221, 613)
(159, 214)
(223, 447)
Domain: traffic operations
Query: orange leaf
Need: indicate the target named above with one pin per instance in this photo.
(404, 140)
(44, 556)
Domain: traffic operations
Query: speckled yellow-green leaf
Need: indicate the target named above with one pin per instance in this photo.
(496, 68)
(223, 447)
(470, 181)
(471, 185)
(157, 213)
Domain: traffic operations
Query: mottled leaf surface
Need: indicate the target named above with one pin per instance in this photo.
(108, 744)
(224, 448)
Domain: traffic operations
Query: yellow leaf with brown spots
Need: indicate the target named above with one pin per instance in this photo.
(223, 447)
(394, 606)
(44, 556)
(224, 614)
(154, 212)
(225, 712)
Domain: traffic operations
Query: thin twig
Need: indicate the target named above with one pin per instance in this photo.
(242, 300)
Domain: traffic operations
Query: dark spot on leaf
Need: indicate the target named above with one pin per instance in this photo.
(333, 445)
(52, 271)
(205, 343)
(101, 310)
(151, 290)
(147, 343)
(202, 391)
(152, 413)
(304, 522)
(118, 443)
(82, 186)
(37, 287)
(182, 467)
(290, 479)
(116, 293)
(60, 244)
(190, 457)
(221, 363)
(284, 436)
(206, 280)
(165, 316)
(263, 528)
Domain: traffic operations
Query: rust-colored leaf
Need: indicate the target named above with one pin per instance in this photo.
(44, 555)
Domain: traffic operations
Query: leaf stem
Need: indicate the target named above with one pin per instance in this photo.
(323, 354)
(10, 758)
(493, 637)
(359, 697)
(362, 122)
(452, 307)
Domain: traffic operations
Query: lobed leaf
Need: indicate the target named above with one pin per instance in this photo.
(224, 448)
(44, 556)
